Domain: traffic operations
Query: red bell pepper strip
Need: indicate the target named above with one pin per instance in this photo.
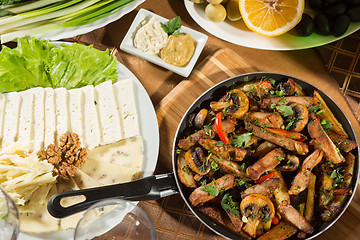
(265, 177)
(219, 129)
(342, 191)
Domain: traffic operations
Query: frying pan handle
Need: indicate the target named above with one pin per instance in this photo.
(149, 188)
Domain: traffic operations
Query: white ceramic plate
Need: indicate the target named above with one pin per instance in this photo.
(149, 131)
(128, 46)
(238, 33)
(74, 31)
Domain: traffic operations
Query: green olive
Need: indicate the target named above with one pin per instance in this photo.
(215, 12)
(233, 10)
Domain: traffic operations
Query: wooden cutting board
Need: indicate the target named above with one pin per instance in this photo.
(222, 65)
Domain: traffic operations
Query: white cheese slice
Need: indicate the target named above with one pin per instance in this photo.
(61, 111)
(26, 121)
(50, 119)
(107, 173)
(2, 113)
(127, 153)
(107, 109)
(39, 119)
(76, 112)
(11, 118)
(125, 100)
(42, 221)
(91, 119)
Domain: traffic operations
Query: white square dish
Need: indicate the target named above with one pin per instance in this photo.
(127, 44)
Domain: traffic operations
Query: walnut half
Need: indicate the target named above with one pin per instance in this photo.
(65, 157)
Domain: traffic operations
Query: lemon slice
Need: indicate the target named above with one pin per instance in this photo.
(271, 17)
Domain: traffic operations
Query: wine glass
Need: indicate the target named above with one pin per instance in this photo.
(115, 219)
(9, 217)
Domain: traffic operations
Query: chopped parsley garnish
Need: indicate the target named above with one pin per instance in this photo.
(242, 140)
(229, 205)
(211, 189)
(279, 158)
(172, 27)
(243, 167)
(317, 109)
(337, 177)
(279, 93)
(285, 110)
(326, 124)
(241, 182)
(219, 143)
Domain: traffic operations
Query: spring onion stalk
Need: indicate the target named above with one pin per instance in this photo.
(43, 14)
(31, 6)
(82, 17)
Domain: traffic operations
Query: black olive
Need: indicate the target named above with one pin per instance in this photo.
(306, 26)
(322, 24)
(317, 4)
(334, 10)
(341, 25)
(354, 14)
(331, 2)
(351, 3)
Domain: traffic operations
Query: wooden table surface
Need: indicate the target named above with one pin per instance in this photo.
(171, 218)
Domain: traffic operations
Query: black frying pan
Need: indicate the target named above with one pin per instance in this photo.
(158, 186)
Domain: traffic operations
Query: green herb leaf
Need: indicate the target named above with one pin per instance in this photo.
(219, 143)
(326, 124)
(241, 182)
(212, 190)
(285, 110)
(279, 93)
(229, 205)
(173, 26)
(279, 158)
(242, 140)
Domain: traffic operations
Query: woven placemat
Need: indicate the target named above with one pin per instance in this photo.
(342, 59)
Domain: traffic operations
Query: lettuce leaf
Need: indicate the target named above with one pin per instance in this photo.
(38, 63)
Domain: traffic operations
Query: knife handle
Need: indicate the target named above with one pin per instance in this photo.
(149, 188)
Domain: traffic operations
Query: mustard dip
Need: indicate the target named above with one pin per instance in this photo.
(178, 50)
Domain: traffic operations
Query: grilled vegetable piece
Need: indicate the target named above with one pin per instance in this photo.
(281, 193)
(281, 231)
(302, 116)
(200, 118)
(289, 134)
(322, 141)
(196, 160)
(294, 217)
(235, 103)
(224, 151)
(217, 214)
(342, 142)
(191, 140)
(229, 167)
(310, 200)
(258, 90)
(292, 163)
(184, 172)
(290, 144)
(264, 149)
(304, 100)
(266, 163)
(298, 89)
(273, 120)
(302, 178)
(211, 190)
(339, 195)
(328, 115)
(265, 188)
(326, 190)
(256, 208)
